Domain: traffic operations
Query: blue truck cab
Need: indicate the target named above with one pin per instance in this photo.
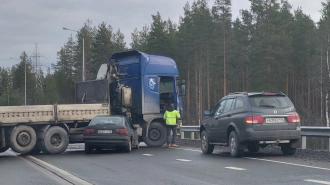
(139, 86)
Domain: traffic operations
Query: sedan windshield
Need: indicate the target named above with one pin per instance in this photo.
(107, 120)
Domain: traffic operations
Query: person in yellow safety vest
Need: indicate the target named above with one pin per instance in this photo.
(170, 117)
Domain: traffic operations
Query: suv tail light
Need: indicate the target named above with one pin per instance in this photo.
(89, 131)
(293, 118)
(254, 119)
(122, 131)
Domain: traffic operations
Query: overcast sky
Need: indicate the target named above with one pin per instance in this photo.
(24, 23)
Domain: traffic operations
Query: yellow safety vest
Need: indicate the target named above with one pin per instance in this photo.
(171, 116)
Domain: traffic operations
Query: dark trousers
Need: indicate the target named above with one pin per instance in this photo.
(169, 128)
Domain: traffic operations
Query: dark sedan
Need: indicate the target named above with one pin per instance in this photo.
(110, 132)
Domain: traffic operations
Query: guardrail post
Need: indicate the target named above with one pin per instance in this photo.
(192, 135)
(182, 135)
(329, 145)
(303, 142)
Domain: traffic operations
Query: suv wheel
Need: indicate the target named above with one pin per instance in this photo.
(253, 148)
(207, 148)
(287, 149)
(234, 145)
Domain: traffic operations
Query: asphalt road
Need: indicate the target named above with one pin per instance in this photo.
(157, 166)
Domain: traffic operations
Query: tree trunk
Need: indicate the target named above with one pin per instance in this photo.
(188, 96)
(224, 65)
(208, 79)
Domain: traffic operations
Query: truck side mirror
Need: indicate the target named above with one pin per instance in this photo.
(183, 90)
(183, 82)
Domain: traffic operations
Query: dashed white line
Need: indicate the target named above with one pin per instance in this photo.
(293, 164)
(235, 168)
(188, 149)
(184, 160)
(148, 154)
(317, 181)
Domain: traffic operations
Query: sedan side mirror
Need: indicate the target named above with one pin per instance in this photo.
(207, 112)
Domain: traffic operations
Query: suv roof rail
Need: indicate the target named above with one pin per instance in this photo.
(238, 93)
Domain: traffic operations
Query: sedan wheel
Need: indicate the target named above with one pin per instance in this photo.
(129, 147)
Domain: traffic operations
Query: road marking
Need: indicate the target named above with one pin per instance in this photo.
(328, 169)
(188, 149)
(67, 174)
(317, 181)
(306, 166)
(234, 168)
(184, 160)
(148, 154)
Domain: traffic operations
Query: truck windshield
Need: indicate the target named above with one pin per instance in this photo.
(166, 85)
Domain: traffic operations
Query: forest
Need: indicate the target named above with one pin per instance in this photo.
(269, 47)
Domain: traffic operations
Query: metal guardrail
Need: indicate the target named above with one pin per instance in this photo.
(305, 132)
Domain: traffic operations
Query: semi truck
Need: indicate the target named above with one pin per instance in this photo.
(134, 84)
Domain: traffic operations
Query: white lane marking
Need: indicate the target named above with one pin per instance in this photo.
(148, 154)
(317, 181)
(234, 168)
(293, 164)
(184, 160)
(188, 149)
(81, 181)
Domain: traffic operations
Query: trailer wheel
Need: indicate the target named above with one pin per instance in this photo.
(3, 149)
(56, 140)
(156, 135)
(23, 139)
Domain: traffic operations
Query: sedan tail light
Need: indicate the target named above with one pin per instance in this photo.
(122, 131)
(293, 118)
(89, 131)
(254, 119)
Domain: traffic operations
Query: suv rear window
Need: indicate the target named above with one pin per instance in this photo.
(270, 101)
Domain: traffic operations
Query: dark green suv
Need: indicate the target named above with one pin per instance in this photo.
(250, 120)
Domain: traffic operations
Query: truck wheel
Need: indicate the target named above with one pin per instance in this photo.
(207, 148)
(287, 149)
(156, 135)
(56, 140)
(253, 148)
(234, 145)
(23, 139)
(3, 149)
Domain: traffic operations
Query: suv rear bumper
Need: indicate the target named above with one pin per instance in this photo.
(273, 135)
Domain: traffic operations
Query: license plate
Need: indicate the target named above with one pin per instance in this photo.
(104, 131)
(275, 120)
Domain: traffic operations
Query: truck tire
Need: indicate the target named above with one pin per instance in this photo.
(3, 149)
(207, 148)
(156, 135)
(234, 145)
(23, 139)
(56, 140)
